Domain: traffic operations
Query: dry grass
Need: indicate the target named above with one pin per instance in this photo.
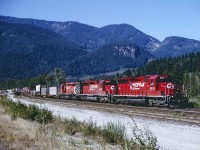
(21, 134)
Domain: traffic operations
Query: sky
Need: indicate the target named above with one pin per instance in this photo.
(158, 18)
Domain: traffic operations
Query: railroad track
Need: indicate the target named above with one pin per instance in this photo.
(188, 115)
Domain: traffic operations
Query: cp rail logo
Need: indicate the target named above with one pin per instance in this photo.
(170, 86)
(93, 87)
(136, 86)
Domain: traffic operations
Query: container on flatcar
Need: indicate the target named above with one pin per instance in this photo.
(25, 89)
(9, 91)
(17, 90)
(38, 89)
(44, 91)
(53, 91)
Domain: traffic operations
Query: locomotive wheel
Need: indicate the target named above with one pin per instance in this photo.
(98, 99)
(147, 102)
(77, 98)
(170, 105)
(125, 102)
(112, 99)
(150, 103)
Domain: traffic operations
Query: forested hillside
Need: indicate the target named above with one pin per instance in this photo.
(109, 58)
(175, 66)
(27, 51)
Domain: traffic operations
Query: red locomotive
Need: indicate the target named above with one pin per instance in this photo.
(150, 89)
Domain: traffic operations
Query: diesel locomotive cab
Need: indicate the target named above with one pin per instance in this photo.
(171, 90)
(166, 85)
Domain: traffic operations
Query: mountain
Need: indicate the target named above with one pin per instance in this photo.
(127, 33)
(29, 51)
(91, 38)
(109, 58)
(29, 47)
(175, 46)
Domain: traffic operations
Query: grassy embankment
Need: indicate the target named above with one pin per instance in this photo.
(31, 127)
(195, 102)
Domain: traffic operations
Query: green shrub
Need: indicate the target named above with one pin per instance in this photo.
(144, 140)
(20, 110)
(73, 126)
(44, 116)
(113, 133)
(91, 128)
(194, 102)
(3, 101)
(30, 112)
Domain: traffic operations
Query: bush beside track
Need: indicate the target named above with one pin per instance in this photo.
(30, 112)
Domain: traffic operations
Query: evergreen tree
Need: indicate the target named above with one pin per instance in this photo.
(58, 76)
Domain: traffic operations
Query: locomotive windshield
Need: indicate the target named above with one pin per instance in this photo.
(122, 81)
(166, 79)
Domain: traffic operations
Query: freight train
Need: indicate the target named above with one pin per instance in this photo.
(151, 90)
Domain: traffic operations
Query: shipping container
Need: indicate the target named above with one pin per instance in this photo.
(26, 89)
(53, 91)
(44, 91)
(38, 89)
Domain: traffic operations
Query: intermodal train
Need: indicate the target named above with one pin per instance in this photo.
(151, 90)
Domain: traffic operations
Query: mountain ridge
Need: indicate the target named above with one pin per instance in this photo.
(91, 37)
(81, 49)
(176, 46)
